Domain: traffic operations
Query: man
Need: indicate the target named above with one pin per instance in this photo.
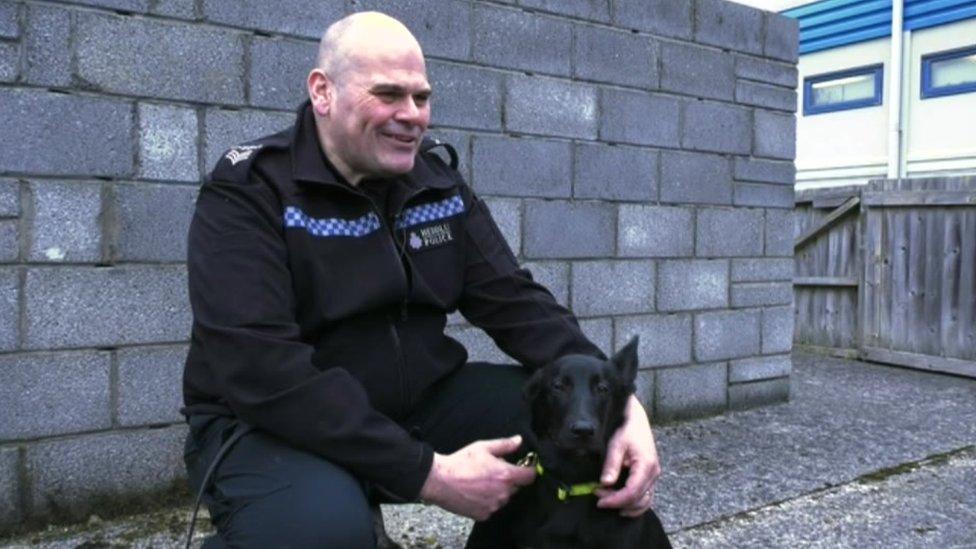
(322, 262)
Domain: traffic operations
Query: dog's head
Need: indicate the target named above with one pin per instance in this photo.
(578, 401)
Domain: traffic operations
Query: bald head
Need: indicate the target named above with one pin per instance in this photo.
(368, 34)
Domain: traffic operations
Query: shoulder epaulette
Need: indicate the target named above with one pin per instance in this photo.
(430, 143)
(236, 162)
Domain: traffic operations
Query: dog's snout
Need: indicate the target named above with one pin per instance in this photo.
(583, 429)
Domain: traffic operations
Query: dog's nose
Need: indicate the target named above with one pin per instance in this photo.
(582, 429)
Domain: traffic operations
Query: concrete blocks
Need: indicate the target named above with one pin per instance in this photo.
(225, 128)
(551, 107)
(613, 287)
(615, 173)
(152, 222)
(780, 232)
(168, 143)
(777, 330)
(600, 332)
(655, 231)
(466, 97)
(716, 127)
(751, 294)
(759, 393)
(68, 473)
(638, 118)
(762, 95)
(137, 304)
(765, 70)
(9, 309)
(763, 195)
(692, 284)
(443, 32)
(765, 171)
(775, 135)
(150, 384)
(562, 229)
(726, 334)
(729, 232)
(663, 17)
(66, 222)
(9, 240)
(9, 62)
(181, 9)
(11, 508)
(51, 134)
(665, 340)
(151, 59)
(48, 394)
(695, 178)
(521, 167)
(554, 275)
(48, 57)
(782, 37)
(691, 391)
(9, 20)
(729, 25)
(279, 69)
(519, 40)
(759, 368)
(9, 198)
(595, 10)
(292, 17)
(617, 57)
(762, 269)
(507, 214)
(481, 348)
(697, 71)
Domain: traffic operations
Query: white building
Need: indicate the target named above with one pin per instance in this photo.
(887, 88)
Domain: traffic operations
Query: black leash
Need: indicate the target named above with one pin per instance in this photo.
(239, 431)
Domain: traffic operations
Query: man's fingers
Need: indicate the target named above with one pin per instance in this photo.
(503, 446)
(522, 476)
(637, 485)
(611, 465)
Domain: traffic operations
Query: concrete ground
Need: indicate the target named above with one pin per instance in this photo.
(862, 456)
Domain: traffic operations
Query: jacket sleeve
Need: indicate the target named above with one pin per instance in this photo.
(501, 298)
(244, 320)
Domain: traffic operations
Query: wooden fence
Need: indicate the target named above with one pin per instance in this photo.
(887, 272)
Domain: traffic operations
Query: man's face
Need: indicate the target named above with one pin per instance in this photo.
(378, 113)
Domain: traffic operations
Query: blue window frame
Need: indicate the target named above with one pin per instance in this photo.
(843, 90)
(949, 72)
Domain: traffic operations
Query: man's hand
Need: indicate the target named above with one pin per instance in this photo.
(632, 446)
(475, 481)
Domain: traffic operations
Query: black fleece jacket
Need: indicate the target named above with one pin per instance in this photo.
(320, 320)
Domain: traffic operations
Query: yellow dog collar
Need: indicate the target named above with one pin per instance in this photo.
(563, 491)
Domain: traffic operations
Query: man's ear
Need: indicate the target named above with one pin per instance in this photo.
(625, 361)
(320, 91)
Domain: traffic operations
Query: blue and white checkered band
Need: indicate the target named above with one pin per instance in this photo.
(433, 211)
(331, 226)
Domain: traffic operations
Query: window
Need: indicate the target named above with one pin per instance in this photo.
(839, 91)
(949, 72)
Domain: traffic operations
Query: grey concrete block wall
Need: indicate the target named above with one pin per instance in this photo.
(637, 155)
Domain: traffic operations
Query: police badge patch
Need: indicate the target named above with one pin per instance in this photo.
(241, 153)
(433, 236)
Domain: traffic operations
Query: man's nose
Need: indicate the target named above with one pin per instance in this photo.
(582, 428)
(410, 112)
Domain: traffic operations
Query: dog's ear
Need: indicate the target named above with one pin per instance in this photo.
(534, 385)
(625, 360)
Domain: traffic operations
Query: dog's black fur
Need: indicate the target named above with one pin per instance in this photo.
(577, 403)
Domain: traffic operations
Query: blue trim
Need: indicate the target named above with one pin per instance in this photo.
(922, 14)
(809, 108)
(929, 91)
(835, 23)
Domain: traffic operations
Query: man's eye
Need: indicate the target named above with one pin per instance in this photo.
(421, 100)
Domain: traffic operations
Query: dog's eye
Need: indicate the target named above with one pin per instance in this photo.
(602, 388)
(559, 385)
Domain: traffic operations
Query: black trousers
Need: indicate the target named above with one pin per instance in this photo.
(265, 493)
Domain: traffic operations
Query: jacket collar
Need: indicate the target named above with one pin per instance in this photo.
(310, 164)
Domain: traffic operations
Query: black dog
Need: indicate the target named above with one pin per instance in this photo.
(577, 403)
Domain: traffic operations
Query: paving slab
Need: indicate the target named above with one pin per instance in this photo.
(863, 455)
